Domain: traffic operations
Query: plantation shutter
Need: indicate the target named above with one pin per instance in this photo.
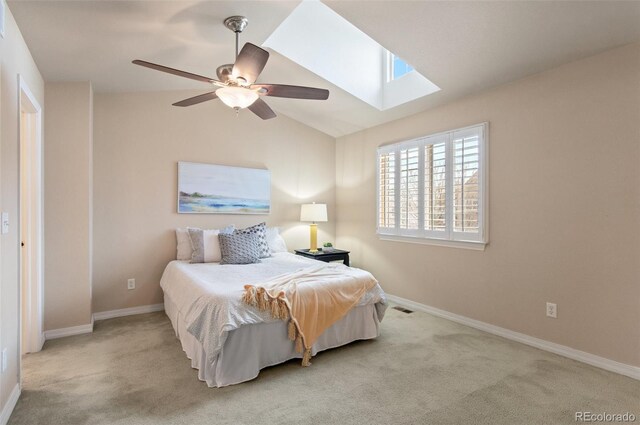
(433, 187)
(386, 190)
(409, 182)
(466, 184)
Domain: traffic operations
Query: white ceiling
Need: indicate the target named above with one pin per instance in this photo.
(463, 47)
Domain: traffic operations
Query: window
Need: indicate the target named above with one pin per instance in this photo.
(433, 188)
(396, 67)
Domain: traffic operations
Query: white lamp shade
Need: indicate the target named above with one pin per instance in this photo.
(313, 212)
(237, 97)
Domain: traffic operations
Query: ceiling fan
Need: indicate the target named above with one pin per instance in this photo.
(236, 85)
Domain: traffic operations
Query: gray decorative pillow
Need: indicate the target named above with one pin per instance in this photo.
(239, 248)
(261, 231)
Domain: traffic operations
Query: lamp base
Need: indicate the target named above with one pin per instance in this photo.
(313, 246)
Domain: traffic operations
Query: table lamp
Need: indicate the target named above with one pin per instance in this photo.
(313, 212)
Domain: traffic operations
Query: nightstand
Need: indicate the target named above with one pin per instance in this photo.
(326, 256)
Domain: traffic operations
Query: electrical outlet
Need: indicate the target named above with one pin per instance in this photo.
(4, 360)
(552, 310)
(131, 284)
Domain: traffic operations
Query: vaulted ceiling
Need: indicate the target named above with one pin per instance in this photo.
(463, 47)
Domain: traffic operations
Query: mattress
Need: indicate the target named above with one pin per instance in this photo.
(228, 341)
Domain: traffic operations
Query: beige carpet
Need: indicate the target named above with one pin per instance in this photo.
(422, 370)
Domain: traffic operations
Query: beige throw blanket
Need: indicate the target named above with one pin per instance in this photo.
(312, 299)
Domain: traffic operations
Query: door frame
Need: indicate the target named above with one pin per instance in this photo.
(31, 297)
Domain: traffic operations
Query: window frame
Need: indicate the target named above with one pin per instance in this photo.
(448, 237)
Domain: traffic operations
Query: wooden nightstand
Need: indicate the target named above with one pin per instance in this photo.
(326, 256)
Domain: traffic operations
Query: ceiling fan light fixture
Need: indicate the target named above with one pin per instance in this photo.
(236, 81)
(237, 97)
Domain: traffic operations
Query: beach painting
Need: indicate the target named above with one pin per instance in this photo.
(219, 189)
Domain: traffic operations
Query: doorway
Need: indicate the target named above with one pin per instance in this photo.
(31, 222)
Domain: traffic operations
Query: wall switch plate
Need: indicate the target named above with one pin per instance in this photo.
(5, 220)
(4, 360)
(552, 310)
(131, 284)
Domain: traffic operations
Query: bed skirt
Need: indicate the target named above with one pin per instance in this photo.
(268, 344)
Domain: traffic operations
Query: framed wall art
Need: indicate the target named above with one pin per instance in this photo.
(220, 189)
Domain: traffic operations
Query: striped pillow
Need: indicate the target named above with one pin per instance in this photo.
(205, 244)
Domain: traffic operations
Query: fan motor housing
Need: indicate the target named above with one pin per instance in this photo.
(224, 72)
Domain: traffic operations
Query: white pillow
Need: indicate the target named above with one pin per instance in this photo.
(184, 250)
(275, 241)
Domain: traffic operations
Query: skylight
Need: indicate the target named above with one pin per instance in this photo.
(317, 38)
(396, 67)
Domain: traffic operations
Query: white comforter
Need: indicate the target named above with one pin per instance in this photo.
(209, 295)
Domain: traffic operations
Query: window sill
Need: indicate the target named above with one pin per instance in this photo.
(478, 246)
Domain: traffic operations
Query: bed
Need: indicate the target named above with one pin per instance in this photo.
(228, 341)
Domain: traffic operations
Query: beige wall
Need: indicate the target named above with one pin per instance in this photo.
(564, 209)
(139, 139)
(15, 59)
(68, 216)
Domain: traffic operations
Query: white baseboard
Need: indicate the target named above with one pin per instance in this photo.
(73, 330)
(10, 405)
(88, 328)
(43, 338)
(102, 315)
(572, 353)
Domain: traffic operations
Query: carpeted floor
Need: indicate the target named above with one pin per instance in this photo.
(422, 370)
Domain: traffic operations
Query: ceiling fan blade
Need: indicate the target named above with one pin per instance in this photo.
(197, 99)
(174, 71)
(293, 92)
(250, 62)
(261, 109)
